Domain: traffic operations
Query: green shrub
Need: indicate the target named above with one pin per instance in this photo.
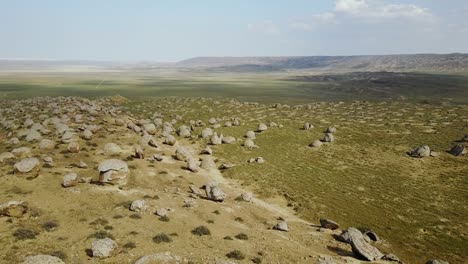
(242, 236)
(164, 218)
(129, 245)
(50, 225)
(257, 260)
(235, 254)
(101, 235)
(162, 238)
(24, 234)
(201, 231)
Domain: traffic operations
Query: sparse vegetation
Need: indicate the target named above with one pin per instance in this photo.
(242, 236)
(201, 231)
(162, 238)
(99, 222)
(235, 254)
(50, 225)
(25, 234)
(164, 218)
(129, 245)
(101, 235)
(239, 219)
(257, 260)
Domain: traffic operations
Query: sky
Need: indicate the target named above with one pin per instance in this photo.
(172, 30)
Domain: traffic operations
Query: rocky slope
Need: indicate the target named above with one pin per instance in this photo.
(85, 182)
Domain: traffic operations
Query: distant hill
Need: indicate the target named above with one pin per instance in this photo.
(418, 62)
(393, 63)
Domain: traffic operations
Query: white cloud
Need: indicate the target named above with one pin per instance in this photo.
(350, 6)
(378, 9)
(264, 27)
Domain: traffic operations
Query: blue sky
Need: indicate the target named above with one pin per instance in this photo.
(171, 30)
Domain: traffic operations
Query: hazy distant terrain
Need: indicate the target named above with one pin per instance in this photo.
(422, 62)
(418, 62)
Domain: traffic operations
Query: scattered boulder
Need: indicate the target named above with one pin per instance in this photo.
(5, 156)
(73, 147)
(13, 209)
(226, 166)
(170, 140)
(139, 153)
(21, 152)
(150, 128)
(362, 248)
(42, 259)
(68, 137)
(13, 141)
(207, 132)
(391, 257)
(212, 121)
(87, 134)
(261, 127)
(112, 149)
(436, 261)
(113, 171)
(458, 150)
(207, 151)
(138, 206)
(329, 224)
(208, 163)
(420, 152)
(70, 180)
(103, 248)
(250, 135)
(328, 138)
(330, 130)
(372, 235)
(316, 144)
(161, 258)
(161, 212)
(215, 140)
(213, 192)
(249, 143)
(82, 165)
(228, 140)
(182, 154)
(26, 165)
(281, 226)
(247, 196)
(48, 162)
(47, 144)
(193, 165)
(33, 135)
(348, 234)
(308, 126)
(184, 131)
